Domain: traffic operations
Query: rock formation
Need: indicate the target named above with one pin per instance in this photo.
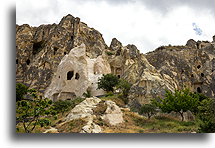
(112, 114)
(65, 60)
(76, 74)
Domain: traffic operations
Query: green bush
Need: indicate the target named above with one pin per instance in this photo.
(206, 116)
(180, 101)
(108, 82)
(21, 90)
(148, 109)
(33, 112)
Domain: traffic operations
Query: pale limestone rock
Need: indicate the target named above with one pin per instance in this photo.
(76, 74)
(51, 130)
(113, 114)
(91, 127)
(84, 109)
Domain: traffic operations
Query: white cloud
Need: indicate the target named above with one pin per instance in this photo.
(131, 22)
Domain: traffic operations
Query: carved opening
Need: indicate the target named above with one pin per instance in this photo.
(118, 52)
(77, 76)
(202, 75)
(58, 76)
(199, 90)
(64, 53)
(17, 61)
(182, 71)
(27, 61)
(192, 75)
(55, 50)
(212, 70)
(70, 75)
(118, 76)
(199, 66)
(72, 37)
(37, 47)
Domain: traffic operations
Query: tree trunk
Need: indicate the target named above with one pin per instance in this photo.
(182, 115)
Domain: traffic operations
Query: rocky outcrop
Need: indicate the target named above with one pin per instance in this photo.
(39, 50)
(65, 60)
(76, 74)
(112, 114)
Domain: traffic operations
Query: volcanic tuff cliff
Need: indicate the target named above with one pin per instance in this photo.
(47, 61)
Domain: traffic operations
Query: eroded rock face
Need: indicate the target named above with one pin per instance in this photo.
(40, 49)
(76, 74)
(112, 115)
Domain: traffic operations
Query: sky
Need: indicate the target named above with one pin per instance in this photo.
(147, 24)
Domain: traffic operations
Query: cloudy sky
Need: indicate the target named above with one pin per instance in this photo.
(147, 24)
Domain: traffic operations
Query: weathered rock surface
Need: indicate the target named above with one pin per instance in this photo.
(112, 115)
(77, 74)
(40, 49)
(46, 54)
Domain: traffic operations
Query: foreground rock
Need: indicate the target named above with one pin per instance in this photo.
(85, 110)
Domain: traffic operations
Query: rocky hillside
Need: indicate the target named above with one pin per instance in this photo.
(62, 61)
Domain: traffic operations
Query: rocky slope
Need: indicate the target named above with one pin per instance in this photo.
(65, 60)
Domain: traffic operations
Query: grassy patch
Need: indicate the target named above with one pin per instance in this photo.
(73, 126)
(164, 124)
(115, 99)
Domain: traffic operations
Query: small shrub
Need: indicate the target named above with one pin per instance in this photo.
(148, 109)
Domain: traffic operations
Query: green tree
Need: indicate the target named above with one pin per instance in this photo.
(206, 116)
(179, 101)
(34, 112)
(21, 91)
(62, 106)
(124, 86)
(108, 82)
(148, 109)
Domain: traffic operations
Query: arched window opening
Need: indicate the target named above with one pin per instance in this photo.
(27, 61)
(199, 90)
(202, 75)
(192, 75)
(64, 53)
(17, 61)
(118, 76)
(70, 75)
(77, 76)
(72, 37)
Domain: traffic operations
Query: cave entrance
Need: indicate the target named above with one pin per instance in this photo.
(77, 76)
(55, 50)
(199, 90)
(199, 66)
(27, 61)
(37, 47)
(70, 75)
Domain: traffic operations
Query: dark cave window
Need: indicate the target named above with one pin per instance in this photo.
(28, 62)
(58, 76)
(182, 71)
(199, 90)
(55, 50)
(77, 76)
(199, 66)
(212, 70)
(202, 75)
(70, 75)
(37, 47)
(64, 53)
(72, 37)
(17, 61)
(118, 76)
(192, 75)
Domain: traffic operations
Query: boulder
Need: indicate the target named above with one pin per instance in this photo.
(191, 43)
(113, 114)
